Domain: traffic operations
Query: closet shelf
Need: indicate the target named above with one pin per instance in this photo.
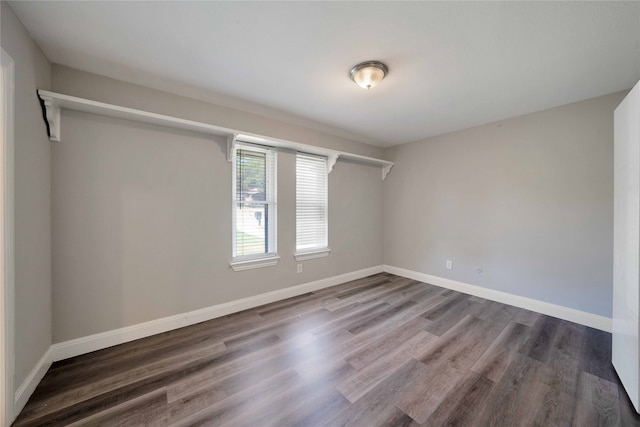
(54, 102)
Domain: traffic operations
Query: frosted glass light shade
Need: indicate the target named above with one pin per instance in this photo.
(368, 74)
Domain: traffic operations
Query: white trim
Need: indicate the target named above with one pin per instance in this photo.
(102, 340)
(52, 114)
(561, 312)
(7, 282)
(332, 158)
(231, 145)
(54, 102)
(254, 263)
(30, 383)
(303, 256)
(386, 168)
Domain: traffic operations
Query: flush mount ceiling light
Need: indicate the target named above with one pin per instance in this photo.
(367, 74)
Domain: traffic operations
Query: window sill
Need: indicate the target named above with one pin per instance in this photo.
(254, 263)
(303, 256)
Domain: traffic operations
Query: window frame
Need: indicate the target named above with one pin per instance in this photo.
(270, 257)
(320, 250)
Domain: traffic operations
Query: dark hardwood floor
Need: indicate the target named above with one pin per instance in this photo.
(379, 351)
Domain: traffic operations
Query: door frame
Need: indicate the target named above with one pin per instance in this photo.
(7, 287)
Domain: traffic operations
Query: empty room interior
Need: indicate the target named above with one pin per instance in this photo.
(320, 213)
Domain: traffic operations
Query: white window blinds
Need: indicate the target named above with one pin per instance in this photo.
(311, 203)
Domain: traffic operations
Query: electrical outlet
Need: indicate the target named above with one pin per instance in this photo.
(449, 264)
(299, 268)
(478, 269)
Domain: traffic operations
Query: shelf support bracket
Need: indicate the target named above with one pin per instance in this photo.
(332, 158)
(231, 145)
(385, 170)
(52, 117)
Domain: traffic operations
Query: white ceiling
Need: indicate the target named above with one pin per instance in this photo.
(452, 64)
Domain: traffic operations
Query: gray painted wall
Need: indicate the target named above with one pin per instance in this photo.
(528, 199)
(32, 198)
(141, 217)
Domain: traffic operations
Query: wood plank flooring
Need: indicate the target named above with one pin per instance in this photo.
(379, 351)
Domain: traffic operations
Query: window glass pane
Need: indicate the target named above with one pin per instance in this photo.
(251, 229)
(251, 175)
(254, 210)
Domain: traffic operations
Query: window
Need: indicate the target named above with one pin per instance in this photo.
(254, 207)
(311, 207)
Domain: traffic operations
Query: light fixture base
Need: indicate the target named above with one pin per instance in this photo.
(367, 74)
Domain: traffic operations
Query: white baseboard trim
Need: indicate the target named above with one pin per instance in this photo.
(559, 311)
(30, 383)
(78, 346)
